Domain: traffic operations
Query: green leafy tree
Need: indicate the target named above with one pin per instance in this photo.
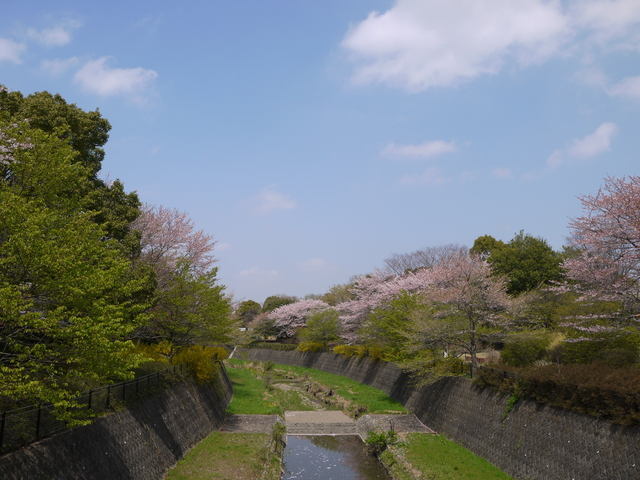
(387, 325)
(264, 327)
(485, 246)
(85, 132)
(528, 262)
(338, 294)
(191, 310)
(276, 301)
(247, 311)
(66, 291)
(322, 327)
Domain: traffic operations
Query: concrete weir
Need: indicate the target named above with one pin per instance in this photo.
(533, 442)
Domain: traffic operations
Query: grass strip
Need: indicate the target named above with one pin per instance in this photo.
(249, 394)
(436, 457)
(224, 456)
(376, 400)
(252, 395)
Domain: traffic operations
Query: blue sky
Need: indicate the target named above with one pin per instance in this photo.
(315, 139)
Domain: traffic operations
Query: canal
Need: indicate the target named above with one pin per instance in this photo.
(330, 457)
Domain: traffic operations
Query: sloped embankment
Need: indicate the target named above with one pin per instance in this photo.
(139, 443)
(534, 441)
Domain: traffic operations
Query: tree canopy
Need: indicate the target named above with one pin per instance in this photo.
(528, 262)
(66, 291)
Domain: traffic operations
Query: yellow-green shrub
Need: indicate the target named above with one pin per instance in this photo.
(361, 351)
(345, 350)
(202, 361)
(311, 347)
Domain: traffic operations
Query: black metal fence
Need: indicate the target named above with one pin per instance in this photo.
(26, 425)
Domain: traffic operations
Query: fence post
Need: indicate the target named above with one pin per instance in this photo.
(89, 404)
(108, 396)
(4, 416)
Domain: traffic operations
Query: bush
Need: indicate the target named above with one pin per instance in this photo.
(273, 346)
(585, 351)
(378, 442)
(347, 351)
(524, 351)
(615, 357)
(202, 361)
(595, 389)
(311, 347)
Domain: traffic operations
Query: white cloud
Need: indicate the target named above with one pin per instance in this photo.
(502, 173)
(11, 51)
(607, 20)
(426, 149)
(58, 66)
(595, 143)
(95, 76)
(555, 159)
(417, 45)
(589, 146)
(314, 265)
(51, 37)
(431, 176)
(269, 199)
(628, 87)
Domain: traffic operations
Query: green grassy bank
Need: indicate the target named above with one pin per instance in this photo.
(234, 456)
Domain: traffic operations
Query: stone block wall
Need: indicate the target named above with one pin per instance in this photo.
(533, 442)
(139, 443)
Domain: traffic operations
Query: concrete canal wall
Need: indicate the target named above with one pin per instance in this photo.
(534, 442)
(137, 443)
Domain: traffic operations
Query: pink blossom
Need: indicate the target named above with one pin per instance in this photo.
(168, 237)
(608, 239)
(289, 318)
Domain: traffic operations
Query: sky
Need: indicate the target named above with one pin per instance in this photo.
(315, 139)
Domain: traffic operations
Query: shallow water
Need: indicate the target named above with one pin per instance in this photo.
(340, 457)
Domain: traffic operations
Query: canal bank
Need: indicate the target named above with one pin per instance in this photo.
(139, 443)
(534, 442)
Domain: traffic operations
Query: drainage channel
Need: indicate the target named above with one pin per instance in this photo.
(330, 457)
(326, 445)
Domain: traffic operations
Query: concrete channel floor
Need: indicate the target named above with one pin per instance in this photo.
(326, 422)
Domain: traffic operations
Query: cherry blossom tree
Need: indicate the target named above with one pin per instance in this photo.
(605, 268)
(607, 239)
(467, 305)
(191, 307)
(168, 237)
(289, 318)
(401, 263)
(374, 291)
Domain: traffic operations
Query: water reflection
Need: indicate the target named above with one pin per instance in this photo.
(325, 457)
